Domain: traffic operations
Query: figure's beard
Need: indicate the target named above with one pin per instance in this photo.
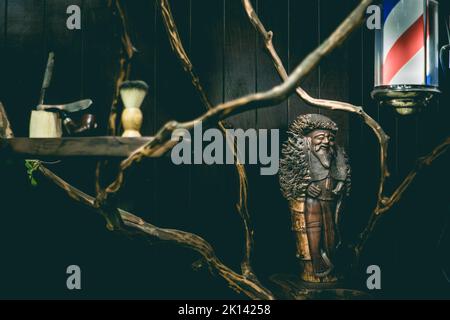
(324, 154)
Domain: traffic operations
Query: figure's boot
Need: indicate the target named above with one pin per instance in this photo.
(321, 264)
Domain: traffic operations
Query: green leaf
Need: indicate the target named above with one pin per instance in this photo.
(32, 166)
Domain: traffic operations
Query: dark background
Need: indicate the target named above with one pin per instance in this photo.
(42, 231)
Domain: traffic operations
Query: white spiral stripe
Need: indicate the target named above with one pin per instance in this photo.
(412, 73)
(403, 16)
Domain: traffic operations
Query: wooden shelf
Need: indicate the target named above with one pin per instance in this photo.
(73, 147)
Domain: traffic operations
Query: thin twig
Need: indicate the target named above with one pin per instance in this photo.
(127, 52)
(389, 202)
(178, 48)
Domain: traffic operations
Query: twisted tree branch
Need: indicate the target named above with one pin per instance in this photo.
(164, 142)
(240, 283)
(126, 55)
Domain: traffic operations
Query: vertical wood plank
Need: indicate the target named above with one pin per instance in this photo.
(67, 80)
(209, 183)
(3, 21)
(432, 128)
(270, 212)
(174, 96)
(274, 15)
(303, 39)
(240, 60)
(364, 147)
(101, 45)
(174, 87)
(214, 188)
(67, 45)
(360, 199)
(207, 46)
(407, 143)
(23, 71)
(384, 235)
(334, 79)
(141, 17)
(407, 209)
(25, 51)
(387, 235)
(174, 100)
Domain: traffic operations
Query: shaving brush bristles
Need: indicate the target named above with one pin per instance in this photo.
(133, 93)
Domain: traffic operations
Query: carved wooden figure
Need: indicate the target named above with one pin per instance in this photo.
(315, 178)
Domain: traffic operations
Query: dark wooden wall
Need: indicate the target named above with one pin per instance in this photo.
(42, 232)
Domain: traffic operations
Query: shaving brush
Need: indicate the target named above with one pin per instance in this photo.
(133, 94)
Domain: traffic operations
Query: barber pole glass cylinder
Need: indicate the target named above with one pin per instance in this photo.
(407, 55)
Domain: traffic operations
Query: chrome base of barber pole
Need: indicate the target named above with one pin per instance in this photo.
(406, 99)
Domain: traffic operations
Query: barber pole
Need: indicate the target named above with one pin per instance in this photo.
(406, 51)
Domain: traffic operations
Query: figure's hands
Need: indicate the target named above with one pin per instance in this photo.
(314, 191)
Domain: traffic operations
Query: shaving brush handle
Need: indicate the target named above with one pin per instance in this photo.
(132, 122)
